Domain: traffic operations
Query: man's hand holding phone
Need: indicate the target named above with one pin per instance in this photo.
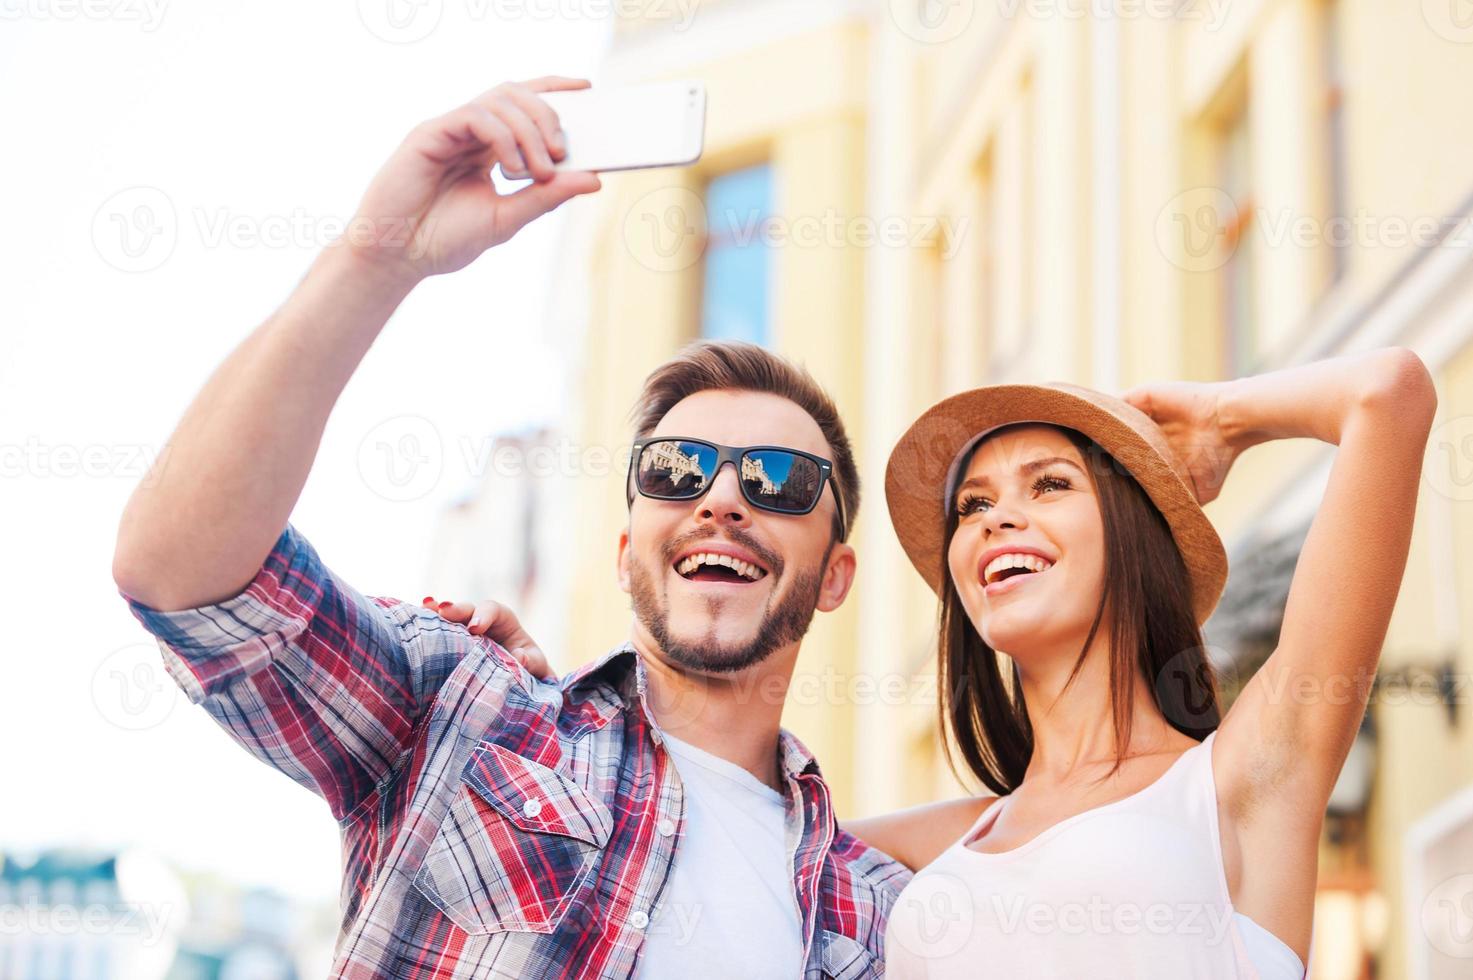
(432, 208)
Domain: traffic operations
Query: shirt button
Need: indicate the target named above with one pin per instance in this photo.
(665, 827)
(639, 920)
(532, 807)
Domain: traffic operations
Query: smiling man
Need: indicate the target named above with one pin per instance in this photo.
(646, 815)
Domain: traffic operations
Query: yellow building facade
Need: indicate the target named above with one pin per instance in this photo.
(965, 193)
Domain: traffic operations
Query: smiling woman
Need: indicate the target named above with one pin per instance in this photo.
(1063, 531)
(1072, 512)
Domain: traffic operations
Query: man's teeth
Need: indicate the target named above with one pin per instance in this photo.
(745, 569)
(1015, 560)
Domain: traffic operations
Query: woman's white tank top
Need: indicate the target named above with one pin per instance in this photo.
(1132, 889)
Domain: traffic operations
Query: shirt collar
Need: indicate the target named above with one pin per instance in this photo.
(622, 669)
(795, 757)
(616, 668)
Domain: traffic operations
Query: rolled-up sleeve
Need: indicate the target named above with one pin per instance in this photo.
(311, 677)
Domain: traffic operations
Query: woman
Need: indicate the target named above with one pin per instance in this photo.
(1133, 833)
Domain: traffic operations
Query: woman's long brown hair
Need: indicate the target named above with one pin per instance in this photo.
(1153, 633)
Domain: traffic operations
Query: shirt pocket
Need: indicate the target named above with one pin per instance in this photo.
(844, 958)
(515, 847)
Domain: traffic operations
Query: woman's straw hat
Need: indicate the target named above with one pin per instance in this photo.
(923, 469)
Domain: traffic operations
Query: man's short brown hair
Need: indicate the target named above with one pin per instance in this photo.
(722, 365)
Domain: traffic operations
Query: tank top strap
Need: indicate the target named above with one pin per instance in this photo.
(1201, 805)
(984, 819)
(1258, 951)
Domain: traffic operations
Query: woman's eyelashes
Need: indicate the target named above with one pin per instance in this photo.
(971, 503)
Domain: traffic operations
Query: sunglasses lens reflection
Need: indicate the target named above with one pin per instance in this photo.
(676, 470)
(780, 480)
(774, 479)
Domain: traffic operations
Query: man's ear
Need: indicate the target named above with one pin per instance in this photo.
(624, 582)
(837, 578)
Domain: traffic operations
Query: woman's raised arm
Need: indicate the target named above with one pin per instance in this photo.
(1280, 748)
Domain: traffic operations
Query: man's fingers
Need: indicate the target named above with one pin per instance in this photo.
(477, 124)
(542, 116)
(530, 141)
(535, 200)
(471, 130)
(557, 83)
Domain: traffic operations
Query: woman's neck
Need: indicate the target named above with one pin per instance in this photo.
(1074, 723)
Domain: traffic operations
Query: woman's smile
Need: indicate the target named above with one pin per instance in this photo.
(1011, 582)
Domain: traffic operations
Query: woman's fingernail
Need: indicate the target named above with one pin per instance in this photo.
(559, 141)
(446, 603)
(475, 621)
(428, 600)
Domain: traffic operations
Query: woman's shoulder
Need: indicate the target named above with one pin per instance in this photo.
(916, 836)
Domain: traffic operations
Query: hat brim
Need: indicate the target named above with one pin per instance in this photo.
(923, 465)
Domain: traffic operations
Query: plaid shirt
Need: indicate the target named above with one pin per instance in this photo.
(493, 825)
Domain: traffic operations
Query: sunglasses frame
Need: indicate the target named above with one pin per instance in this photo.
(733, 455)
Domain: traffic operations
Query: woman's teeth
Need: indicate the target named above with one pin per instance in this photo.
(1003, 563)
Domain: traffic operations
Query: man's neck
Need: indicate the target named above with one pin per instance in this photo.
(735, 717)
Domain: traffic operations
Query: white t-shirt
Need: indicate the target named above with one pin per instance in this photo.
(728, 909)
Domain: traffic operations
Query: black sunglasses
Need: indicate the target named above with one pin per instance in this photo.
(774, 478)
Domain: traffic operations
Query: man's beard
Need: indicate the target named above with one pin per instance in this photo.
(785, 623)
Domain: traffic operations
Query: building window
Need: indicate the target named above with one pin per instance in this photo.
(1238, 287)
(738, 266)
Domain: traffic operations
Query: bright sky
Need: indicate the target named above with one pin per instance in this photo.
(248, 126)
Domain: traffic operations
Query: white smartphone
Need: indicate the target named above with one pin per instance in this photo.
(630, 128)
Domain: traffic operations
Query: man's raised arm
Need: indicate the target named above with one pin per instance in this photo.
(199, 526)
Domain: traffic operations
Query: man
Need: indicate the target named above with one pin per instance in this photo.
(645, 815)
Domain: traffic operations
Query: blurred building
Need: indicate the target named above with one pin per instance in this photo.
(82, 915)
(511, 535)
(68, 914)
(236, 933)
(915, 197)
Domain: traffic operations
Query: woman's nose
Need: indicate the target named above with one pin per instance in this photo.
(1004, 515)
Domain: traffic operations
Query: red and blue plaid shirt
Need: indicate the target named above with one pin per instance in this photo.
(493, 825)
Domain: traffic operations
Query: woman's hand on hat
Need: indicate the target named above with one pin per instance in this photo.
(1189, 414)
